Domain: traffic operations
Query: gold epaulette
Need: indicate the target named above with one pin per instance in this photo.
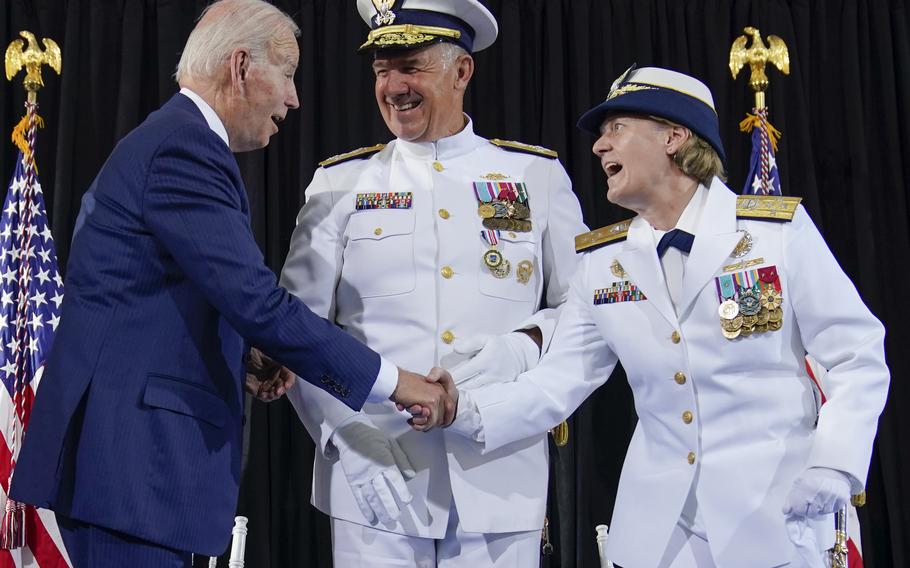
(603, 236)
(525, 148)
(358, 153)
(766, 207)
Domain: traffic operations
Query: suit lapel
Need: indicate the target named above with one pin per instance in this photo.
(639, 259)
(715, 239)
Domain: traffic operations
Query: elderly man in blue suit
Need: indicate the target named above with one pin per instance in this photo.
(135, 437)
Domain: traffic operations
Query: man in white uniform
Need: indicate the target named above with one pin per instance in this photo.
(711, 301)
(428, 249)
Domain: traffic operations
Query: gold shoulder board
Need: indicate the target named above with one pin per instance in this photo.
(766, 207)
(525, 148)
(614, 233)
(358, 153)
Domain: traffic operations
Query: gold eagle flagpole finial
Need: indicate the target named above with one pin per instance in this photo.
(32, 58)
(757, 56)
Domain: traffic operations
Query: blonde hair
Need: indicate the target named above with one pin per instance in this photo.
(226, 25)
(696, 158)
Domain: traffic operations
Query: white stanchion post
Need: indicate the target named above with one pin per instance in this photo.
(603, 532)
(238, 544)
(213, 562)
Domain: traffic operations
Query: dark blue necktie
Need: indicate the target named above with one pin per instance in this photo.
(676, 238)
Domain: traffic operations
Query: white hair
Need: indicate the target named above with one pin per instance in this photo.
(226, 25)
(449, 53)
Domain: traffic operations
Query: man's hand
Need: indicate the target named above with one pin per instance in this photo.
(266, 379)
(430, 403)
(497, 359)
(376, 469)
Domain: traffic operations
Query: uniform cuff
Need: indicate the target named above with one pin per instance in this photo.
(386, 382)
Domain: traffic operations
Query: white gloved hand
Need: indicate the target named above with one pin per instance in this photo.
(497, 359)
(376, 469)
(817, 492)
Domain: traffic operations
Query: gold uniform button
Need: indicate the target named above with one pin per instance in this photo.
(438, 167)
(687, 417)
(448, 337)
(512, 235)
(444, 213)
(691, 458)
(447, 272)
(674, 337)
(680, 378)
(378, 231)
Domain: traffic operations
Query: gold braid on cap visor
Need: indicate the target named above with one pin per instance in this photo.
(407, 35)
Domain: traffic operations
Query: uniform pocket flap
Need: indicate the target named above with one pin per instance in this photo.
(184, 398)
(378, 224)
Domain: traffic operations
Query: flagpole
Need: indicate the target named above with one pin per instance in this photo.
(32, 58)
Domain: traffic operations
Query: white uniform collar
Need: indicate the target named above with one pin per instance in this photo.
(691, 215)
(208, 113)
(457, 144)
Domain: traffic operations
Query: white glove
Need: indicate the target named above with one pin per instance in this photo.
(376, 469)
(802, 535)
(817, 492)
(498, 359)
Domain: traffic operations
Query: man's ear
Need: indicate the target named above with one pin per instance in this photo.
(464, 66)
(240, 68)
(676, 136)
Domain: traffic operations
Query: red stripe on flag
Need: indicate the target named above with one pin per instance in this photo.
(40, 542)
(854, 559)
(6, 559)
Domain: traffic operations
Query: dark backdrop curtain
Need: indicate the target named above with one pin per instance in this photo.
(843, 111)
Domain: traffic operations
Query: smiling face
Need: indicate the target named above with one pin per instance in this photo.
(635, 153)
(264, 93)
(420, 92)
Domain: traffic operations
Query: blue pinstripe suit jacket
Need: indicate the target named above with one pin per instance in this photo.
(137, 421)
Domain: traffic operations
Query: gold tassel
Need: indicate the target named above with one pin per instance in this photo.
(561, 434)
(751, 122)
(20, 131)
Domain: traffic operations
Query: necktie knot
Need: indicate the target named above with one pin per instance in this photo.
(676, 238)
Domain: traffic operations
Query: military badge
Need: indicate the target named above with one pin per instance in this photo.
(744, 246)
(368, 201)
(503, 206)
(750, 302)
(525, 271)
(622, 291)
(617, 269)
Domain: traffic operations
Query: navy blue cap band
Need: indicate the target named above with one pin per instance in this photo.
(666, 103)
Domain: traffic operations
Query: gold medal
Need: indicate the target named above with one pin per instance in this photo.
(775, 316)
(763, 317)
(486, 211)
(775, 325)
(728, 309)
(771, 299)
(522, 211)
(525, 270)
(492, 258)
(746, 331)
(731, 334)
(750, 321)
(760, 328)
(732, 324)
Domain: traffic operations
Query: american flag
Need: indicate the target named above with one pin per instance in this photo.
(31, 291)
(763, 178)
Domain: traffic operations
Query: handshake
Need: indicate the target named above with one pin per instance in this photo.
(432, 400)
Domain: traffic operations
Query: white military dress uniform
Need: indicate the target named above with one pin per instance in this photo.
(411, 283)
(734, 420)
